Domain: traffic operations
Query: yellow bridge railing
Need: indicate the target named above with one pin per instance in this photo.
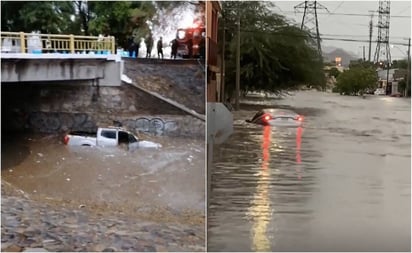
(20, 42)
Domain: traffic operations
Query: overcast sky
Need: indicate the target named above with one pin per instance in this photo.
(356, 27)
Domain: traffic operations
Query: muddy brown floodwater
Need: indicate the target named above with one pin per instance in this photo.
(168, 181)
(342, 182)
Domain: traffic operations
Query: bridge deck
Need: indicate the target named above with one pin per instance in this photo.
(59, 56)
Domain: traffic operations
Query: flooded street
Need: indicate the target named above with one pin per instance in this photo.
(170, 179)
(342, 182)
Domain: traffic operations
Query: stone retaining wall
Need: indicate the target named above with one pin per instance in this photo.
(60, 108)
(180, 80)
(61, 122)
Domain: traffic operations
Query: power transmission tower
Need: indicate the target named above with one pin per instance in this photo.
(310, 19)
(382, 47)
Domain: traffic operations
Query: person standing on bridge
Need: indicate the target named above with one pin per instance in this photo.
(136, 42)
(174, 45)
(149, 45)
(160, 48)
(131, 46)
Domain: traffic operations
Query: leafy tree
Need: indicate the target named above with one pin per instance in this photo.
(110, 18)
(361, 63)
(117, 18)
(123, 19)
(334, 72)
(356, 80)
(400, 64)
(10, 17)
(28, 16)
(275, 55)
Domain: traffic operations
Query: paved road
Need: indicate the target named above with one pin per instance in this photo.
(340, 183)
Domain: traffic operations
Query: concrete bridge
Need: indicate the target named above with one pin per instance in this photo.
(104, 70)
(65, 58)
(164, 97)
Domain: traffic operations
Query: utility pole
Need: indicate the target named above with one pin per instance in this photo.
(310, 20)
(370, 36)
(408, 74)
(363, 54)
(222, 67)
(237, 105)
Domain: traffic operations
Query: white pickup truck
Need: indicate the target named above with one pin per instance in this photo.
(107, 137)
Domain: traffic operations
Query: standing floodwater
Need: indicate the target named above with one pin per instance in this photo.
(342, 182)
(62, 198)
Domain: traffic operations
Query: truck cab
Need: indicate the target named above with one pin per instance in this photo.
(111, 137)
(105, 137)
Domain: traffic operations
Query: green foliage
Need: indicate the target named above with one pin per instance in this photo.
(400, 64)
(356, 80)
(117, 18)
(334, 72)
(275, 56)
(361, 63)
(43, 16)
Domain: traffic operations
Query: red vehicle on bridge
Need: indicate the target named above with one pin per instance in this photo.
(191, 41)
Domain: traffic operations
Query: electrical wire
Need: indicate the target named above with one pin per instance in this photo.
(323, 34)
(347, 14)
(406, 9)
(337, 7)
(322, 38)
(367, 36)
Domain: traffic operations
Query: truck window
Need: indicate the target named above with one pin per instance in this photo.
(132, 138)
(108, 134)
(123, 137)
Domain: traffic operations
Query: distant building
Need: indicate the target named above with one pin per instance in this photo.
(390, 81)
(338, 61)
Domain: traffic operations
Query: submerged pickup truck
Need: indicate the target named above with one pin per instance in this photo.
(107, 137)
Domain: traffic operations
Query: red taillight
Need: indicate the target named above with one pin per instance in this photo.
(66, 139)
(267, 117)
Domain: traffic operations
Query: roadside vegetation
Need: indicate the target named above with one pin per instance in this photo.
(275, 54)
(357, 80)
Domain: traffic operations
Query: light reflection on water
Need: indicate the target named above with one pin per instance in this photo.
(261, 208)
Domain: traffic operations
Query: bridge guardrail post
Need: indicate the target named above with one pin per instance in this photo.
(113, 46)
(72, 43)
(22, 43)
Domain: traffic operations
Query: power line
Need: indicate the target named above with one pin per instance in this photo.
(342, 2)
(347, 35)
(322, 38)
(406, 9)
(349, 14)
(322, 34)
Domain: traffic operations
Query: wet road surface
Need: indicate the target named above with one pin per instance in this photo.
(170, 179)
(342, 182)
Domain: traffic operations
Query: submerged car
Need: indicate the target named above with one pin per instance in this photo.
(277, 117)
